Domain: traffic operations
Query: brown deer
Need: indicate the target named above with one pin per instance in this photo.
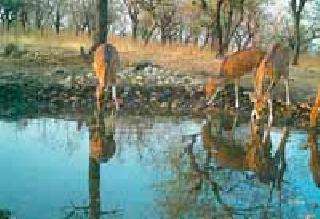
(312, 140)
(106, 63)
(233, 68)
(315, 111)
(275, 65)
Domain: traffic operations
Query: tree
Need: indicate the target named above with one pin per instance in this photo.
(101, 22)
(296, 12)
(133, 7)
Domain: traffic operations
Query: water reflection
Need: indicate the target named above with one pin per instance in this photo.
(218, 166)
(4, 213)
(314, 156)
(102, 149)
(312, 141)
(238, 170)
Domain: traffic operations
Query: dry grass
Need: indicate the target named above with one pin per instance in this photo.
(309, 61)
(306, 77)
(185, 58)
(48, 41)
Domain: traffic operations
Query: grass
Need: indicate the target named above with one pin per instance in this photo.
(185, 58)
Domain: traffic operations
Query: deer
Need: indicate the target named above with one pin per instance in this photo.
(312, 140)
(315, 111)
(275, 66)
(106, 62)
(233, 67)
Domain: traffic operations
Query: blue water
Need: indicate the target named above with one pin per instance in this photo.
(44, 167)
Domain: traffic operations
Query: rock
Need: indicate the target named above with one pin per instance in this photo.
(174, 104)
(164, 105)
(142, 65)
(10, 49)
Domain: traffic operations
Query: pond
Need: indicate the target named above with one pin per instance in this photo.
(102, 165)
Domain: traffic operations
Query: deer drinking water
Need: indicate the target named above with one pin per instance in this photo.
(312, 140)
(106, 63)
(275, 65)
(233, 68)
(315, 111)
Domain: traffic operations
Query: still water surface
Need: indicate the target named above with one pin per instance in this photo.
(156, 167)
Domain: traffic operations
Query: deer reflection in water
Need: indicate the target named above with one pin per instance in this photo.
(254, 156)
(102, 149)
(314, 156)
(223, 156)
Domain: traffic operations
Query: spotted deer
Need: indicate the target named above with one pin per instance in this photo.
(233, 68)
(274, 66)
(106, 63)
(315, 111)
(312, 140)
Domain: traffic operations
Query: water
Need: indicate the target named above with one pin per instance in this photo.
(156, 167)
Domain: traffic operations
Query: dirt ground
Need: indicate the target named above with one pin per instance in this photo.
(42, 55)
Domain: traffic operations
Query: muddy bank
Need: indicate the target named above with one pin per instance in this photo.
(22, 95)
(143, 88)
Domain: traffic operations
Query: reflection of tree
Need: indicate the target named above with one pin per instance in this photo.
(5, 214)
(312, 141)
(315, 156)
(102, 149)
(213, 181)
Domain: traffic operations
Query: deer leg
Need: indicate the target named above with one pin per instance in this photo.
(253, 115)
(236, 90)
(214, 96)
(270, 118)
(286, 83)
(234, 125)
(114, 96)
(99, 96)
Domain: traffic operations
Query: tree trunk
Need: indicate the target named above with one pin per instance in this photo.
(163, 35)
(228, 27)
(196, 41)
(24, 19)
(57, 23)
(297, 39)
(206, 39)
(219, 29)
(149, 34)
(38, 17)
(101, 22)
(134, 29)
(180, 35)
